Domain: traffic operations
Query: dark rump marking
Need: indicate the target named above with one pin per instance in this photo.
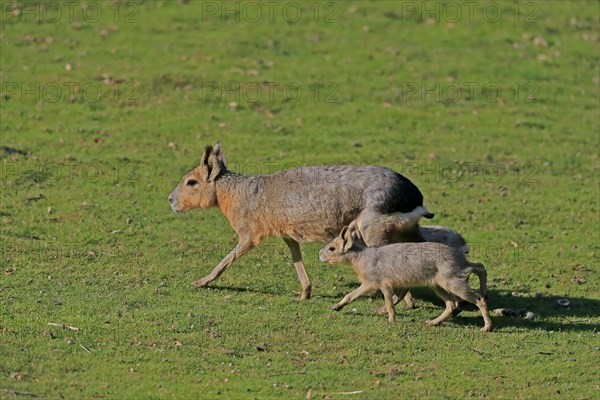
(404, 196)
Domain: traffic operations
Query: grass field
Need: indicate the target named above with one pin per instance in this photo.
(491, 108)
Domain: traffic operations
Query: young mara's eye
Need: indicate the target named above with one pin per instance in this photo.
(191, 182)
(331, 249)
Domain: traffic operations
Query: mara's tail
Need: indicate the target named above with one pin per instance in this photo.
(427, 214)
(421, 211)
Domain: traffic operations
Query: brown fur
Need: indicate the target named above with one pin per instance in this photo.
(308, 204)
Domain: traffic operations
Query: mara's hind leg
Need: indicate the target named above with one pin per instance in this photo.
(448, 300)
(462, 289)
(300, 270)
(479, 270)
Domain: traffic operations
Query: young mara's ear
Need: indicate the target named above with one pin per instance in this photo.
(343, 232)
(348, 241)
(210, 166)
(342, 236)
(220, 155)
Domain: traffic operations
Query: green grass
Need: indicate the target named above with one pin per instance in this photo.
(88, 238)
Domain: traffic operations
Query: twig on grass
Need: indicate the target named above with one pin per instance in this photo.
(544, 353)
(34, 198)
(85, 348)
(73, 328)
(345, 393)
(479, 352)
(301, 372)
(15, 393)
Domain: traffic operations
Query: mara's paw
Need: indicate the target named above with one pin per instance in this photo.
(337, 307)
(305, 295)
(487, 328)
(431, 323)
(200, 283)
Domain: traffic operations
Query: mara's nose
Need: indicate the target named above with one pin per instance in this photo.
(171, 199)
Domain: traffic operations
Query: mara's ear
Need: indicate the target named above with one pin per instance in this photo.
(203, 167)
(352, 227)
(354, 232)
(220, 155)
(347, 240)
(342, 236)
(210, 166)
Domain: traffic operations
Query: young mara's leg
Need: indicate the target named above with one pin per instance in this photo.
(457, 306)
(362, 289)
(448, 300)
(388, 294)
(300, 270)
(242, 248)
(487, 320)
(408, 298)
(462, 289)
(479, 270)
(399, 294)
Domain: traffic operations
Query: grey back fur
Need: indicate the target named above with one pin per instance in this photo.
(445, 235)
(396, 267)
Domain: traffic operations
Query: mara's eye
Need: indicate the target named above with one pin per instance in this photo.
(191, 182)
(331, 249)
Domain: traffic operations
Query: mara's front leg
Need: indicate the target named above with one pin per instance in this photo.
(242, 248)
(300, 270)
(362, 289)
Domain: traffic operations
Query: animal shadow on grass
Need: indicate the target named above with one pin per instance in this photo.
(544, 307)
